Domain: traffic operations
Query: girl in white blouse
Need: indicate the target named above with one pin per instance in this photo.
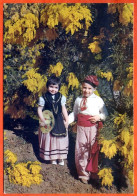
(53, 146)
(89, 111)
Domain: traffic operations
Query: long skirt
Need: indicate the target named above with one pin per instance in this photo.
(51, 147)
(84, 141)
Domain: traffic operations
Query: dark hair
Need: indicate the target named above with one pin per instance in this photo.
(53, 80)
(91, 83)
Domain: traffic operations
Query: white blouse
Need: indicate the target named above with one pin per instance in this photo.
(41, 101)
(95, 106)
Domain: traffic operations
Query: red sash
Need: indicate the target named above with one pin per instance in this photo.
(83, 120)
(92, 165)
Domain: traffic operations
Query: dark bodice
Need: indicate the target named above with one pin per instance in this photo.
(51, 104)
(54, 105)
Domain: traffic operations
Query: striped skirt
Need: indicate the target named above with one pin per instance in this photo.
(51, 147)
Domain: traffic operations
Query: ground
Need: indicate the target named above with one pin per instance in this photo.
(56, 178)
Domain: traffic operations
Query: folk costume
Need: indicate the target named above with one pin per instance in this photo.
(53, 145)
(83, 109)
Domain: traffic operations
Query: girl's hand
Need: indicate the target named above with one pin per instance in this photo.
(94, 119)
(42, 124)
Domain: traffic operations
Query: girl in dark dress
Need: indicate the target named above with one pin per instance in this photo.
(54, 145)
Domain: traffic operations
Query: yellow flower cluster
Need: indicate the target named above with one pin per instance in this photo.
(130, 71)
(94, 47)
(26, 8)
(125, 136)
(131, 129)
(109, 148)
(70, 17)
(5, 76)
(131, 176)
(127, 147)
(128, 155)
(125, 12)
(8, 67)
(24, 174)
(128, 90)
(72, 81)
(124, 150)
(56, 69)
(34, 167)
(131, 142)
(7, 55)
(34, 82)
(64, 90)
(24, 28)
(130, 158)
(7, 102)
(10, 157)
(5, 136)
(106, 175)
(121, 118)
(108, 75)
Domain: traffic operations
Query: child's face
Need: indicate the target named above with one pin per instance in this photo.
(87, 89)
(53, 88)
